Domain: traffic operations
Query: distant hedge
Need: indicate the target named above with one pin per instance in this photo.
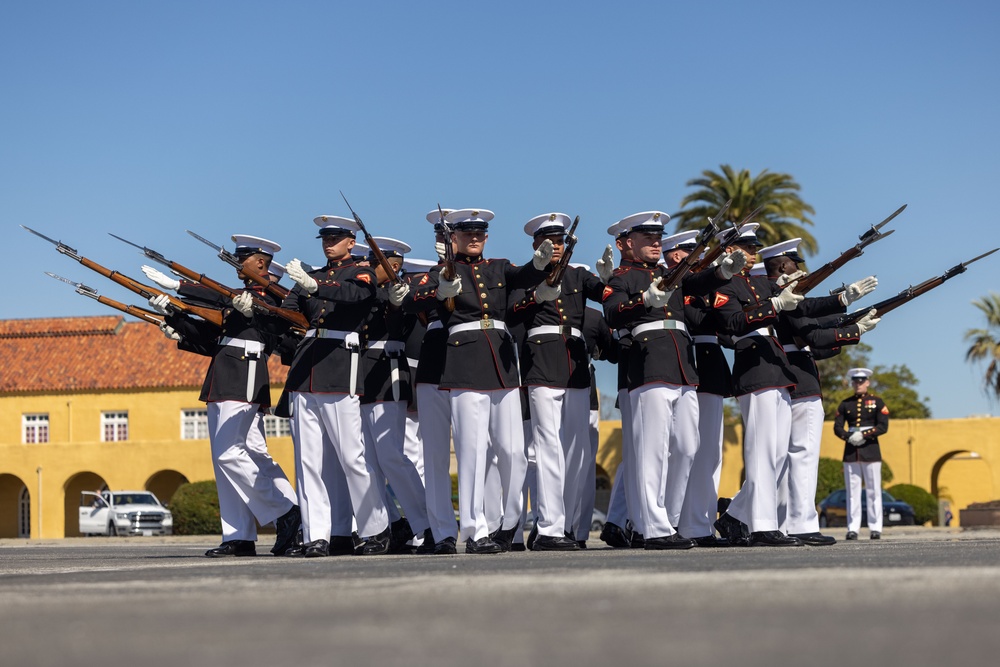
(925, 506)
(195, 507)
(831, 477)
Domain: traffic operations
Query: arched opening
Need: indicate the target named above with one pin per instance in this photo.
(82, 481)
(602, 495)
(24, 514)
(164, 484)
(961, 477)
(11, 488)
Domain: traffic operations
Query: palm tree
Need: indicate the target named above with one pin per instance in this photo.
(784, 214)
(986, 343)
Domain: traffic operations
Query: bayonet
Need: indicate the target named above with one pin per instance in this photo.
(90, 292)
(380, 257)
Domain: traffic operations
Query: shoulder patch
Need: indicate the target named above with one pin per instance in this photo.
(720, 300)
(365, 277)
(688, 300)
(423, 281)
(885, 409)
(607, 292)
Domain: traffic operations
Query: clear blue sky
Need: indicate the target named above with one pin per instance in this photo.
(146, 119)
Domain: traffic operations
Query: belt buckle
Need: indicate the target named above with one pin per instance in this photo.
(486, 324)
(566, 329)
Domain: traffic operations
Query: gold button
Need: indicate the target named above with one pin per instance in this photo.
(482, 285)
(320, 320)
(482, 295)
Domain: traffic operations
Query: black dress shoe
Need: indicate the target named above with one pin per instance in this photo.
(722, 505)
(532, 536)
(505, 538)
(233, 548)
(637, 541)
(614, 536)
(773, 538)
(287, 528)
(554, 543)
(875, 535)
(518, 546)
(582, 544)
(851, 535)
(674, 541)
(342, 545)
(316, 549)
(445, 547)
(735, 531)
(399, 534)
(815, 539)
(710, 542)
(376, 545)
(484, 545)
(427, 547)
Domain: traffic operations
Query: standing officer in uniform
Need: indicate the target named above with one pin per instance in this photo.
(555, 367)
(323, 385)
(236, 389)
(481, 373)
(662, 377)
(860, 420)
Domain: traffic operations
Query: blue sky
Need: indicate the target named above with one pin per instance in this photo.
(146, 119)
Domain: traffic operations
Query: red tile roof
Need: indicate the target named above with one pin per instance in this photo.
(97, 353)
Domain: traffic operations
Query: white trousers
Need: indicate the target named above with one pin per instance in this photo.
(701, 499)
(588, 480)
(624, 503)
(493, 491)
(434, 413)
(328, 428)
(662, 415)
(384, 431)
(530, 488)
(559, 424)
(872, 474)
(413, 447)
(767, 418)
(480, 418)
(797, 478)
(249, 482)
(681, 453)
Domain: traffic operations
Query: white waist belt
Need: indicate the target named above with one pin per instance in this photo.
(436, 324)
(412, 363)
(390, 346)
(795, 348)
(708, 340)
(763, 331)
(250, 347)
(353, 342)
(660, 325)
(565, 330)
(622, 333)
(483, 325)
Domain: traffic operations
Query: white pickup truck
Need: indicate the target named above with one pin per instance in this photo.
(124, 513)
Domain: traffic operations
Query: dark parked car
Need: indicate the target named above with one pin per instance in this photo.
(833, 510)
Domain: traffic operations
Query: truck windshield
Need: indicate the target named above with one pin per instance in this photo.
(135, 499)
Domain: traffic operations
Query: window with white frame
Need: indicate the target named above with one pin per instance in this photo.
(35, 428)
(194, 424)
(114, 426)
(276, 427)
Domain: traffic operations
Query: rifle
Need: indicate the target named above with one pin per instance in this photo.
(373, 246)
(229, 258)
(208, 314)
(910, 293)
(810, 281)
(560, 268)
(448, 272)
(673, 277)
(726, 239)
(295, 317)
(136, 311)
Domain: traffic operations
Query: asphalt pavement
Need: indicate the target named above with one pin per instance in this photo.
(919, 596)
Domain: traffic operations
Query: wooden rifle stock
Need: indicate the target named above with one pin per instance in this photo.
(556, 275)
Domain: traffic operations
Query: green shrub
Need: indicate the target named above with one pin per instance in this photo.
(195, 507)
(831, 477)
(925, 506)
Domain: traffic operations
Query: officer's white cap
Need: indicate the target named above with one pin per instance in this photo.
(390, 247)
(787, 248)
(859, 373)
(683, 240)
(276, 270)
(434, 217)
(334, 225)
(758, 269)
(748, 235)
(647, 221)
(469, 218)
(585, 267)
(547, 224)
(247, 245)
(360, 250)
(417, 265)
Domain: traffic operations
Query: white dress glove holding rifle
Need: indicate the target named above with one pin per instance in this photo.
(654, 297)
(243, 302)
(859, 289)
(731, 265)
(449, 288)
(787, 300)
(605, 265)
(544, 292)
(397, 293)
(868, 322)
(441, 250)
(297, 273)
(169, 331)
(160, 278)
(543, 255)
(784, 279)
(161, 304)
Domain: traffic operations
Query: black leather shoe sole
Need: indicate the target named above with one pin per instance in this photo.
(445, 547)
(614, 536)
(851, 536)
(710, 542)
(549, 543)
(667, 542)
(483, 545)
(815, 539)
(237, 548)
(773, 538)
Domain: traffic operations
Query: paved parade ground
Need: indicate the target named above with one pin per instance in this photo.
(919, 596)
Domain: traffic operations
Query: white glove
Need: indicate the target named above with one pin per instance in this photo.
(859, 289)
(868, 322)
(731, 265)
(441, 250)
(784, 279)
(449, 288)
(243, 302)
(654, 297)
(543, 255)
(544, 292)
(160, 278)
(161, 304)
(169, 331)
(397, 293)
(787, 300)
(297, 273)
(856, 439)
(605, 265)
